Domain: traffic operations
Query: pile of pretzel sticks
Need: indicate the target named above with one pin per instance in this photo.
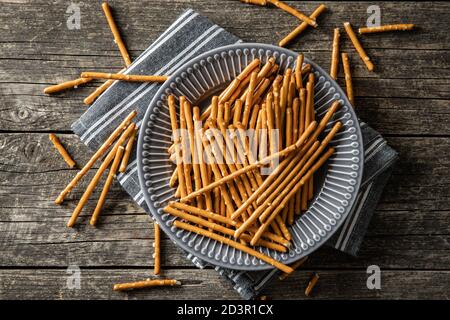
(261, 118)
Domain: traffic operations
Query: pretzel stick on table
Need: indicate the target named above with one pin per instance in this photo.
(294, 33)
(128, 149)
(108, 182)
(233, 244)
(157, 246)
(387, 28)
(123, 77)
(116, 34)
(62, 151)
(312, 283)
(348, 78)
(90, 188)
(66, 85)
(362, 53)
(146, 284)
(335, 54)
(91, 98)
(299, 15)
(97, 155)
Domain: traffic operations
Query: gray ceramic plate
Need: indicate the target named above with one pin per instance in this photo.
(337, 182)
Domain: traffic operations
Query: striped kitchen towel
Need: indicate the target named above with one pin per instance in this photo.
(190, 35)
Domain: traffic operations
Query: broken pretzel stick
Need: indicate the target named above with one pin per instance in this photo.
(387, 28)
(116, 34)
(291, 36)
(128, 148)
(157, 246)
(312, 283)
(62, 151)
(146, 284)
(348, 78)
(97, 155)
(233, 244)
(108, 182)
(364, 57)
(123, 77)
(66, 85)
(90, 188)
(335, 54)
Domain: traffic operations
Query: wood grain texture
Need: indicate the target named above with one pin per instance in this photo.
(406, 99)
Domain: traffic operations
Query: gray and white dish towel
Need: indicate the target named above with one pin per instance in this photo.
(189, 36)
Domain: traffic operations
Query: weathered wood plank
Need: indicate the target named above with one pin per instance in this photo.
(207, 284)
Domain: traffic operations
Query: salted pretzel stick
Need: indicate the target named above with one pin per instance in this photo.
(277, 111)
(91, 98)
(195, 161)
(254, 117)
(294, 33)
(62, 151)
(233, 244)
(90, 188)
(227, 113)
(249, 99)
(312, 283)
(386, 28)
(123, 77)
(262, 136)
(255, 165)
(271, 126)
(177, 141)
(287, 194)
(298, 196)
(299, 15)
(308, 119)
(97, 155)
(284, 91)
(173, 178)
(294, 266)
(128, 148)
(335, 54)
(112, 172)
(116, 34)
(220, 112)
(146, 284)
(289, 121)
(157, 246)
(261, 89)
(177, 192)
(362, 54)
(66, 85)
(199, 151)
(221, 219)
(217, 227)
(257, 2)
(237, 111)
(298, 71)
(185, 152)
(311, 181)
(348, 78)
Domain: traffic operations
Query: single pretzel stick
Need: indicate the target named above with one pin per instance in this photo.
(312, 283)
(294, 266)
(116, 34)
(185, 152)
(262, 136)
(284, 92)
(123, 77)
(249, 99)
(289, 120)
(87, 193)
(288, 193)
(335, 54)
(97, 155)
(348, 78)
(260, 91)
(386, 28)
(66, 85)
(266, 160)
(233, 244)
(271, 126)
(108, 182)
(128, 148)
(299, 15)
(91, 98)
(311, 180)
(146, 284)
(237, 111)
(298, 196)
(173, 178)
(195, 161)
(227, 113)
(62, 151)
(257, 2)
(177, 141)
(298, 71)
(217, 227)
(254, 117)
(220, 112)
(362, 54)
(221, 219)
(294, 33)
(214, 108)
(199, 150)
(157, 246)
(277, 112)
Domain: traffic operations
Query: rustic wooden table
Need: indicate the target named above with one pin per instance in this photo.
(407, 99)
